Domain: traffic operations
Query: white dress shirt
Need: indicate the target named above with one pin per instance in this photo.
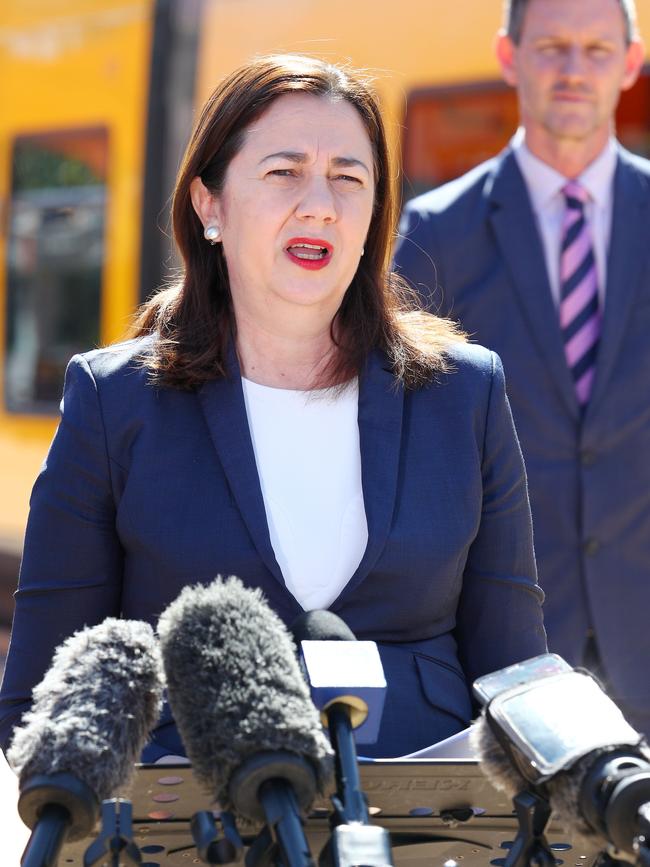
(545, 189)
(308, 459)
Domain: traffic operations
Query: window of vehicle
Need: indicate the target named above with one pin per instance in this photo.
(450, 130)
(55, 253)
(633, 117)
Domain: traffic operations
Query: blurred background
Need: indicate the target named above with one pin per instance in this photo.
(98, 98)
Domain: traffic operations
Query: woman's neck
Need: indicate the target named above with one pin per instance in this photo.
(284, 357)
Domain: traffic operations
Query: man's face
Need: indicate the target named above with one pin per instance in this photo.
(570, 66)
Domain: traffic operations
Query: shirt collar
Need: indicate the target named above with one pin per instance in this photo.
(544, 182)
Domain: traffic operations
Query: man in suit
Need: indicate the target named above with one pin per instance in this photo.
(543, 255)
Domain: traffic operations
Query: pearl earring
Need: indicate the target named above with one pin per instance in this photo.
(363, 250)
(212, 234)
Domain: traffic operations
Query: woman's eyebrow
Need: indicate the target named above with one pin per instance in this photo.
(298, 157)
(349, 162)
(292, 156)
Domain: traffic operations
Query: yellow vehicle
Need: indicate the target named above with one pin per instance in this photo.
(97, 102)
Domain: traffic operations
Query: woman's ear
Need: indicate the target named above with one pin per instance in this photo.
(205, 204)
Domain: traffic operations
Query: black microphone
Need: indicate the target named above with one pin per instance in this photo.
(243, 709)
(585, 759)
(89, 721)
(321, 625)
(347, 685)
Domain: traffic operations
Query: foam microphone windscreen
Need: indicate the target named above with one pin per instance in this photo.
(234, 685)
(565, 791)
(94, 708)
(575, 796)
(493, 760)
(564, 797)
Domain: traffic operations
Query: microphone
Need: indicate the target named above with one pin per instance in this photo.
(494, 762)
(243, 709)
(90, 719)
(341, 671)
(347, 684)
(595, 775)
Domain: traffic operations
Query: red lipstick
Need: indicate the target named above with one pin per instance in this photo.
(310, 253)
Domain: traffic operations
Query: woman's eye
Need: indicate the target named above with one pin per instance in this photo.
(350, 179)
(283, 173)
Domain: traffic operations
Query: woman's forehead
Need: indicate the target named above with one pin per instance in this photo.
(306, 123)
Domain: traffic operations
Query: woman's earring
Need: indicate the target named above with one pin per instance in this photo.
(363, 250)
(212, 234)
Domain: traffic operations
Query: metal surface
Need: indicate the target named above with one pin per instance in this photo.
(409, 798)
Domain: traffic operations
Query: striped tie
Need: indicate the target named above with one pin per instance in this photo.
(579, 314)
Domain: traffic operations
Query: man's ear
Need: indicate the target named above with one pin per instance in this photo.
(505, 49)
(205, 203)
(634, 60)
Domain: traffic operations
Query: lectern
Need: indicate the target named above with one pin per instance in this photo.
(436, 810)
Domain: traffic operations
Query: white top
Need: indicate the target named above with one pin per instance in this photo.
(545, 190)
(308, 459)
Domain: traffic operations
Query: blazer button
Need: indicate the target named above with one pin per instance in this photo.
(591, 547)
(587, 457)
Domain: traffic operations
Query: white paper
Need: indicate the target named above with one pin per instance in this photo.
(455, 747)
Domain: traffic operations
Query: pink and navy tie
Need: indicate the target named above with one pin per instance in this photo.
(580, 318)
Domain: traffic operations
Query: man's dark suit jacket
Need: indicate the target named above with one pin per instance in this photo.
(475, 246)
(148, 489)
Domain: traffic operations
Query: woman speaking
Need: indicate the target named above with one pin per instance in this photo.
(286, 415)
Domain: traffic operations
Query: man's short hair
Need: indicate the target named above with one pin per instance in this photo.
(516, 9)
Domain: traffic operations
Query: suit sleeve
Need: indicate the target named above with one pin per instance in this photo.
(71, 572)
(499, 618)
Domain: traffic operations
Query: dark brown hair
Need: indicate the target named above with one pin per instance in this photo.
(515, 11)
(194, 321)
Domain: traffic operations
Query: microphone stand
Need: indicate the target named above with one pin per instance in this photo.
(276, 782)
(58, 807)
(353, 840)
(282, 840)
(114, 846)
(47, 837)
(530, 846)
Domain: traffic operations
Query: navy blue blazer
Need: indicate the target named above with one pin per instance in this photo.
(475, 246)
(148, 489)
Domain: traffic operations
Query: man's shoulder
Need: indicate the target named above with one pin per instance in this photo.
(463, 190)
(635, 163)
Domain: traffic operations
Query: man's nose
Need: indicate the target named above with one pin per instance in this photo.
(574, 62)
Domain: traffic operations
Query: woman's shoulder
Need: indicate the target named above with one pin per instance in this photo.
(472, 359)
(471, 374)
(127, 358)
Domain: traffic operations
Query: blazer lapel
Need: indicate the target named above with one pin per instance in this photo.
(628, 253)
(517, 235)
(381, 401)
(222, 402)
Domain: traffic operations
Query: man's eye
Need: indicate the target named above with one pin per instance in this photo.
(598, 51)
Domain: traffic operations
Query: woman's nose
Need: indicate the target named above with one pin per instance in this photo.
(317, 201)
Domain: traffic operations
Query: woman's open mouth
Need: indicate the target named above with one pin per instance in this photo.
(311, 253)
